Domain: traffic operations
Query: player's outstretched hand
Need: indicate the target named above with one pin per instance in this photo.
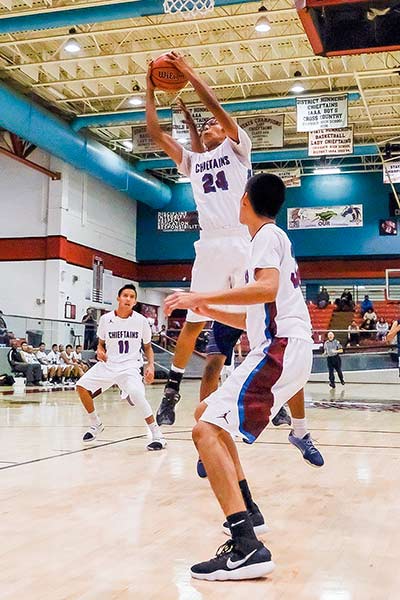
(182, 300)
(149, 374)
(149, 82)
(179, 62)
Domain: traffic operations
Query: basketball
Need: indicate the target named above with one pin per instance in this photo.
(165, 76)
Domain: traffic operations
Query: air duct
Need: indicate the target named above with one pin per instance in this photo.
(40, 127)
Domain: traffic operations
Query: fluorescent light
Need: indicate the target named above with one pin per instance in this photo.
(297, 88)
(327, 171)
(262, 25)
(72, 45)
(128, 144)
(183, 180)
(135, 101)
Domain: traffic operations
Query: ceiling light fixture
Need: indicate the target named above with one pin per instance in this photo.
(135, 101)
(128, 144)
(183, 180)
(72, 45)
(327, 171)
(262, 25)
(297, 88)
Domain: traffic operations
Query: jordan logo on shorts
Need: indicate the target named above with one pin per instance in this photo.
(224, 416)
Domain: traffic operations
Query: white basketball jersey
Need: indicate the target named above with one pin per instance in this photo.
(218, 179)
(288, 315)
(124, 337)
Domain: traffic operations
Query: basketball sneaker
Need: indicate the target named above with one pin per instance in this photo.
(92, 433)
(166, 412)
(282, 418)
(231, 562)
(257, 520)
(157, 444)
(311, 455)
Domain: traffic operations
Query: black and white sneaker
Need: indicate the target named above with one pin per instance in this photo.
(282, 418)
(158, 444)
(92, 433)
(166, 412)
(231, 562)
(257, 519)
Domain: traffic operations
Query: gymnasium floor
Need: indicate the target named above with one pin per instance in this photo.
(115, 522)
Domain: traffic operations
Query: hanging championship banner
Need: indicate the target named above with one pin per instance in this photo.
(178, 221)
(265, 131)
(290, 177)
(321, 112)
(325, 217)
(391, 172)
(180, 131)
(142, 142)
(330, 142)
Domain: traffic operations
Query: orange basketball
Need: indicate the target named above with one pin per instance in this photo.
(165, 76)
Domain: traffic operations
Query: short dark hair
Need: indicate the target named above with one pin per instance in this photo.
(79, 346)
(266, 193)
(127, 286)
(68, 346)
(56, 345)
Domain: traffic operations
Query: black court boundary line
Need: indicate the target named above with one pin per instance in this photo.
(36, 460)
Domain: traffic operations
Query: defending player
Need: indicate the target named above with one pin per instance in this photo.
(218, 171)
(276, 369)
(121, 334)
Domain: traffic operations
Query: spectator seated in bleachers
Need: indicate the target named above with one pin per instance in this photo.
(77, 359)
(63, 370)
(366, 304)
(32, 371)
(353, 335)
(345, 302)
(369, 319)
(52, 371)
(323, 298)
(70, 369)
(382, 327)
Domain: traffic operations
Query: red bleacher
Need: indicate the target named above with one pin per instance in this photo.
(390, 311)
(320, 320)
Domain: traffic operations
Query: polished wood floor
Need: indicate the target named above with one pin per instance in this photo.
(115, 522)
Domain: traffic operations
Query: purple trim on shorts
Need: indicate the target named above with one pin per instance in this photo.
(256, 398)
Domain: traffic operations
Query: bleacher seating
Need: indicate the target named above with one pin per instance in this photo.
(320, 320)
(390, 311)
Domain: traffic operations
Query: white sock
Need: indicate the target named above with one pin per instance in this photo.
(155, 431)
(299, 427)
(177, 369)
(94, 419)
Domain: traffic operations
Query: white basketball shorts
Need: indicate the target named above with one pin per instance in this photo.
(126, 376)
(255, 392)
(220, 264)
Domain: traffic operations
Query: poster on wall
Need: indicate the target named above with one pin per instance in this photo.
(325, 217)
(178, 221)
(97, 285)
(330, 142)
(391, 172)
(388, 227)
(142, 142)
(290, 177)
(321, 112)
(265, 131)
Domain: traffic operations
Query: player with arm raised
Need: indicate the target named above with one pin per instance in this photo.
(275, 370)
(218, 172)
(121, 334)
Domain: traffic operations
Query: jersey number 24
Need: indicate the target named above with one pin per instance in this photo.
(209, 185)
